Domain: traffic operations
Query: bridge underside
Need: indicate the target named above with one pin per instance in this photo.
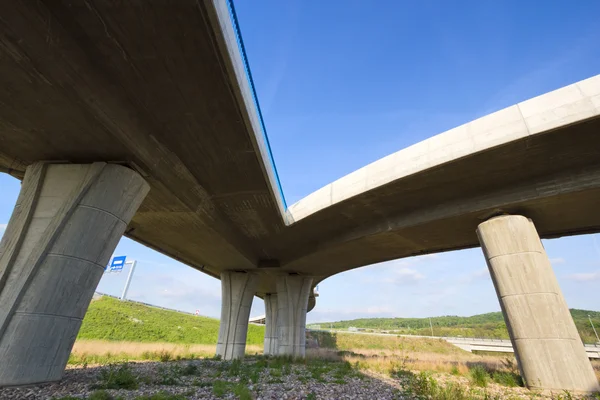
(157, 88)
(157, 93)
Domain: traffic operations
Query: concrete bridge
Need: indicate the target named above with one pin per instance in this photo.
(140, 119)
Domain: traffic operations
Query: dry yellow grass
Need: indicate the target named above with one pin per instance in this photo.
(101, 351)
(384, 361)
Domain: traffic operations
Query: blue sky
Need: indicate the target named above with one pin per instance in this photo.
(343, 83)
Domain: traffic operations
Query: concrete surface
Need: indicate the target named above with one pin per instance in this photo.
(67, 222)
(271, 344)
(292, 300)
(237, 290)
(163, 89)
(547, 346)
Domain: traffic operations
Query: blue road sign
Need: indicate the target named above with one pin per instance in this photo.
(117, 264)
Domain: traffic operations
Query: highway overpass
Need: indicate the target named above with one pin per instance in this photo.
(141, 119)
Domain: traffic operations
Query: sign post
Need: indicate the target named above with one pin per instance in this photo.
(128, 282)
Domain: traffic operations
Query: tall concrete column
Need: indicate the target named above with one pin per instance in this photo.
(292, 303)
(271, 338)
(547, 345)
(237, 289)
(66, 224)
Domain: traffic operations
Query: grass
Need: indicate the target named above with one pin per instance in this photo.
(425, 386)
(479, 376)
(220, 388)
(349, 342)
(490, 325)
(162, 396)
(100, 395)
(114, 320)
(117, 377)
(509, 379)
(242, 392)
(89, 352)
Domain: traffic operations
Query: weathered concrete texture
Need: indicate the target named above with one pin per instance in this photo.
(549, 351)
(292, 302)
(66, 224)
(271, 339)
(237, 289)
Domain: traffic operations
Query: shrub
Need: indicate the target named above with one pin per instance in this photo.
(168, 377)
(479, 376)
(161, 396)
(189, 369)
(220, 388)
(165, 356)
(509, 379)
(117, 377)
(242, 392)
(100, 395)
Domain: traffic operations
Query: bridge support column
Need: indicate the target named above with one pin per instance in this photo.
(237, 289)
(271, 338)
(66, 224)
(292, 303)
(547, 346)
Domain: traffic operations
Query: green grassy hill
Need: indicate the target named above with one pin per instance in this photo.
(111, 319)
(490, 325)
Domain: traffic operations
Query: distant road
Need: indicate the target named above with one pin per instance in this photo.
(470, 344)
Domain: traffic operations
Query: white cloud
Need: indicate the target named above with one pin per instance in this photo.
(3, 227)
(585, 276)
(404, 276)
(557, 260)
(480, 274)
(398, 272)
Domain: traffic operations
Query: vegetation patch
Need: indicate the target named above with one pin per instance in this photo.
(479, 376)
(117, 377)
(115, 320)
(490, 325)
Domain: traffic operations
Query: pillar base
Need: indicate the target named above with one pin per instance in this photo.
(237, 289)
(66, 225)
(547, 346)
(292, 300)
(271, 344)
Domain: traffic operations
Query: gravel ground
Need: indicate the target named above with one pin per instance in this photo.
(292, 382)
(252, 379)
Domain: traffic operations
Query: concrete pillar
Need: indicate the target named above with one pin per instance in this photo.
(66, 224)
(292, 302)
(271, 338)
(547, 346)
(237, 289)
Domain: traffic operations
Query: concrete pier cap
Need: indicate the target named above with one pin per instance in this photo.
(549, 351)
(66, 224)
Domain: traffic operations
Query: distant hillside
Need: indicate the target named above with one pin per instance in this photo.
(112, 319)
(490, 325)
